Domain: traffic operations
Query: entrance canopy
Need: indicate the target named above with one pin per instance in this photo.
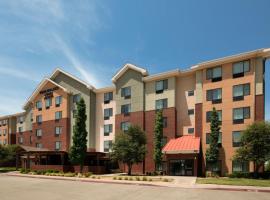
(186, 144)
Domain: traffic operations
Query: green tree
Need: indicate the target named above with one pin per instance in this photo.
(8, 154)
(213, 150)
(255, 146)
(78, 149)
(158, 139)
(129, 147)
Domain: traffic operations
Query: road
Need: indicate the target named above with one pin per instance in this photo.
(14, 188)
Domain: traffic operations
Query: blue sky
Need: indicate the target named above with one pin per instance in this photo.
(93, 39)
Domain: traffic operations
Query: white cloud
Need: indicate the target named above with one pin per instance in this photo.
(22, 74)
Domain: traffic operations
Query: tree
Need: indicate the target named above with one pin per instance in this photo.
(129, 147)
(158, 139)
(213, 150)
(255, 145)
(8, 154)
(78, 149)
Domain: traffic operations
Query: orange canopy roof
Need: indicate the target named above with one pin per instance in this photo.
(185, 144)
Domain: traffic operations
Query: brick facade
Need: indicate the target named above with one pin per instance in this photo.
(259, 107)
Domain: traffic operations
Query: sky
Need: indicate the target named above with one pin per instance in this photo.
(93, 39)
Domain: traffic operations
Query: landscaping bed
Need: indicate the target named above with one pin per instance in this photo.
(7, 169)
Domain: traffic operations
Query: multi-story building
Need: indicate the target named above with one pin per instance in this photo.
(234, 85)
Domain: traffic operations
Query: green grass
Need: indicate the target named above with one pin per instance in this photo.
(234, 181)
(7, 169)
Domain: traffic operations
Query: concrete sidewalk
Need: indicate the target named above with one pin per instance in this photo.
(179, 182)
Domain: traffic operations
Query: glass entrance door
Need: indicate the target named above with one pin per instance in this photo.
(181, 167)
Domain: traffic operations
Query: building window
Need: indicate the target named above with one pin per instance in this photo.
(165, 122)
(190, 130)
(219, 138)
(161, 86)
(126, 92)
(58, 101)
(190, 111)
(239, 91)
(4, 132)
(48, 103)
(214, 95)
(240, 114)
(20, 119)
(31, 117)
(20, 129)
(108, 97)
(107, 145)
(58, 115)
(57, 146)
(209, 114)
(125, 126)
(161, 104)
(39, 119)
(215, 74)
(58, 130)
(126, 109)
(236, 138)
(191, 93)
(39, 105)
(240, 166)
(38, 132)
(20, 140)
(240, 68)
(107, 129)
(39, 145)
(76, 98)
(108, 112)
(214, 167)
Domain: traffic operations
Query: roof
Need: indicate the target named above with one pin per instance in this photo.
(13, 115)
(127, 67)
(33, 149)
(162, 75)
(182, 145)
(105, 89)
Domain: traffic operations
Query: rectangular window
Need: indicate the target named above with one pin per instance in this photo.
(39, 105)
(190, 111)
(190, 130)
(191, 93)
(236, 138)
(39, 145)
(4, 132)
(58, 115)
(126, 92)
(209, 113)
(39, 119)
(125, 126)
(161, 104)
(48, 103)
(38, 132)
(107, 129)
(20, 139)
(240, 114)
(108, 112)
(125, 109)
(215, 74)
(214, 95)
(208, 138)
(58, 101)
(76, 98)
(239, 91)
(0, 132)
(108, 97)
(165, 122)
(20, 129)
(240, 68)
(57, 146)
(58, 130)
(161, 86)
(107, 145)
(20, 119)
(240, 166)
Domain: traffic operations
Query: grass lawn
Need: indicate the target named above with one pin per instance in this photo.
(234, 181)
(7, 169)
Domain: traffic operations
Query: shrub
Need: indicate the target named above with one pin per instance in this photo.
(98, 177)
(144, 178)
(165, 180)
(239, 175)
(137, 178)
(69, 174)
(114, 178)
(126, 178)
(94, 177)
(150, 179)
(87, 174)
(130, 178)
(119, 178)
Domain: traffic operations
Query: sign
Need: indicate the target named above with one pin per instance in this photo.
(49, 92)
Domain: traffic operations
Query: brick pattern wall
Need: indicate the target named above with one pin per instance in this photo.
(198, 120)
(259, 107)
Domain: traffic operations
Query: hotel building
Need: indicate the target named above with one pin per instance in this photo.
(234, 85)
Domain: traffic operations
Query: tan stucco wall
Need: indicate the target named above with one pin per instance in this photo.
(259, 76)
(199, 91)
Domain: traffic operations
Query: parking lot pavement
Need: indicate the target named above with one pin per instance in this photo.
(13, 188)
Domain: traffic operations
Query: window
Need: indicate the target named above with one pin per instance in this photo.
(57, 145)
(107, 129)
(239, 91)
(125, 126)
(20, 119)
(126, 92)
(215, 74)
(240, 166)
(165, 122)
(191, 93)
(39, 105)
(107, 145)
(126, 109)
(48, 103)
(240, 68)
(108, 112)
(58, 101)
(190, 130)
(236, 138)
(20, 129)
(4, 132)
(38, 132)
(214, 95)
(239, 114)
(163, 141)
(108, 97)
(209, 114)
(20, 140)
(190, 111)
(215, 167)
(39, 145)
(58, 130)
(208, 138)
(76, 98)
(5, 141)
(39, 119)
(58, 115)
(74, 113)
(161, 104)
(31, 117)
(161, 86)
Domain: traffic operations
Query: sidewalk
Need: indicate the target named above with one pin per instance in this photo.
(179, 182)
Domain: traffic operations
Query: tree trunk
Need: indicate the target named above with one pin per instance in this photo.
(255, 175)
(129, 169)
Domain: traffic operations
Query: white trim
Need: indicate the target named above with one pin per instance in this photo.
(105, 89)
(181, 151)
(162, 75)
(125, 68)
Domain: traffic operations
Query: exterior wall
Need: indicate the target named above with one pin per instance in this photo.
(4, 138)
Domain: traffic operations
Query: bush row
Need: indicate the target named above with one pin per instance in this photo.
(137, 178)
(264, 175)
